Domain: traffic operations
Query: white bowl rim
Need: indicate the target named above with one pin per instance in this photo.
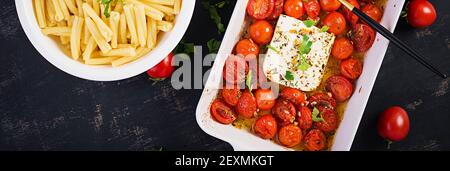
(29, 24)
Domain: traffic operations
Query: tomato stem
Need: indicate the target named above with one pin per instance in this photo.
(156, 80)
(389, 144)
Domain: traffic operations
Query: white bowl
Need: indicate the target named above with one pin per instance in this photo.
(244, 140)
(50, 50)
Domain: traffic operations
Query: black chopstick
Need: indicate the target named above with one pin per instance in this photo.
(387, 34)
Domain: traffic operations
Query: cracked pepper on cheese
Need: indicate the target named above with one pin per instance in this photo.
(283, 62)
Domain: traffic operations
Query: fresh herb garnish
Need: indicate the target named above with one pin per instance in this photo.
(221, 4)
(213, 45)
(305, 38)
(304, 65)
(183, 47)
(214, 14)
(324, 28)
(107, 4)
(248, 82)
(316, 117)
(304, 49)
(305, 46)
(288, 76)
(273, 48)
(309, 23)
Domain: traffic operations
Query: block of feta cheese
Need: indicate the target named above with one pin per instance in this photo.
(285, 64)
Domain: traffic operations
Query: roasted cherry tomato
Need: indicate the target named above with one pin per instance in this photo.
(304, 118)
(265, 99)
(261, 32)
(294, 8)
(330, 121)
(290, 135)
(284, 111)
(222, 113)
(340, 87)
(312, 8)
(265, 127)
(294, 95)
(372, 11)
(277, 10)
(330, 5)
(231, 95)
(164, 69)
(393, 124)
(363, 37)
(342, 48)
(235, 69)
(260, 9)
(421, 13)
(351, 68)
(246, 106)
(322, 100)
(351, 18)
(336, 23)
(315, 140)
(248, 49)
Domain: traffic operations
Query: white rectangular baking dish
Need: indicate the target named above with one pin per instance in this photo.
(244, 140)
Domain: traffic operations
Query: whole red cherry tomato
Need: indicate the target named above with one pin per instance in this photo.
(330, 5)
(421, 13)
(290, 135)
(363, 37)
(393, 124)
(372, 11)
(231, 95)
(336, 23)
(315, 140)
(351, 68)
(265, 127)
(294, 8)
(246, 105)
(284, 111)
(265, 99)
(340, 87)
(248, 49)
(294, 95)
(342, 48)
(261, 32)
(163, 70)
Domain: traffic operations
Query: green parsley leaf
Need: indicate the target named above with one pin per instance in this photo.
(309, 23)
(213, 45)
(304, 65)
(305, 38)
(183, 47)
(288, 76)
(316, 117)
(305, 46)
(324, 28)
(214, 14)
(248, 82)
(273, 48)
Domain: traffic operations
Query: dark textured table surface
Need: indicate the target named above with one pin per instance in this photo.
(43, 108)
